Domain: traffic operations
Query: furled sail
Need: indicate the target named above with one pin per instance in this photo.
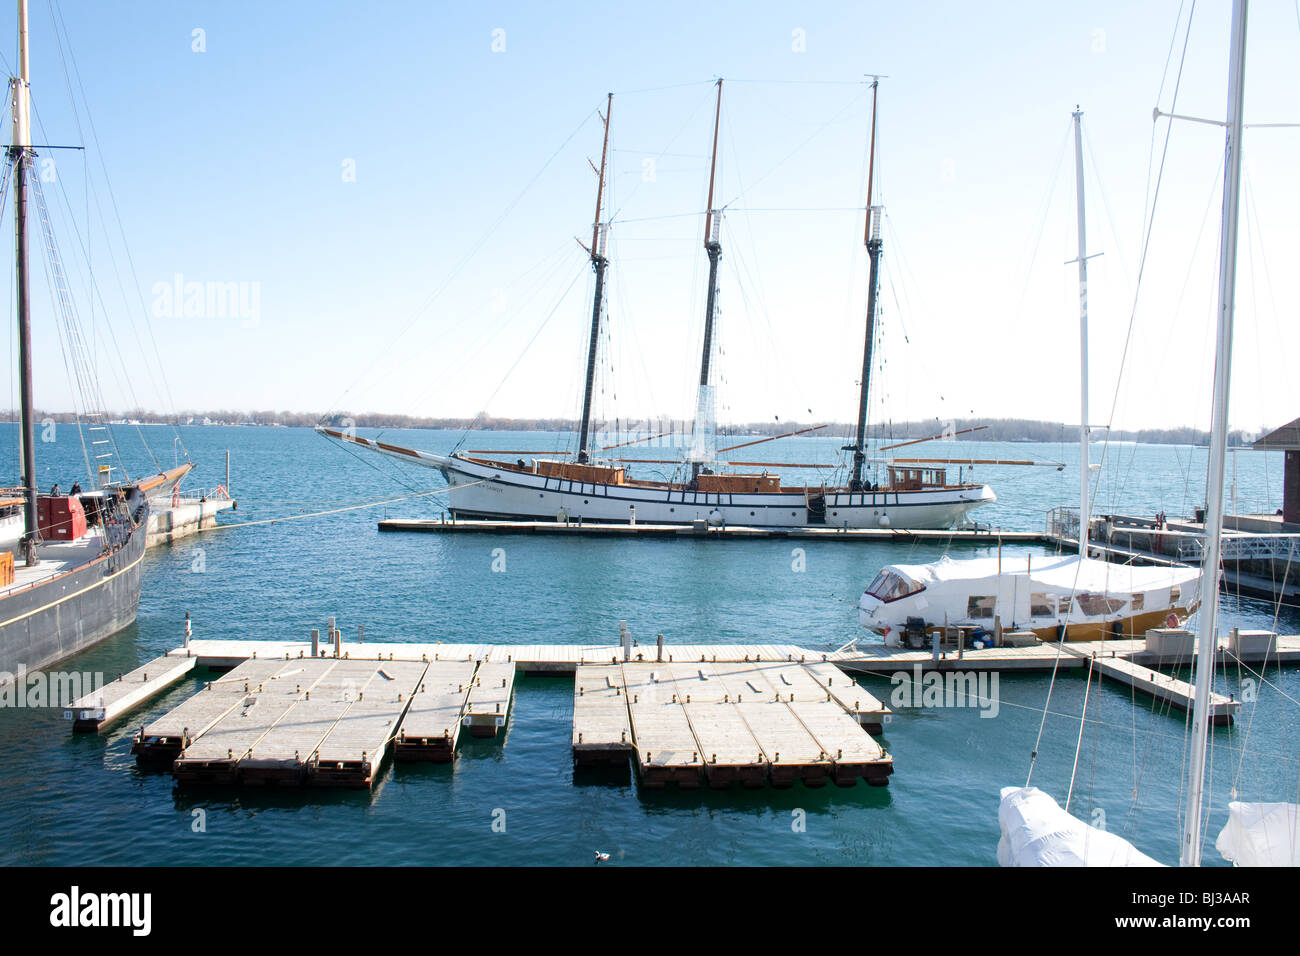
(1037, 832)
(1261, 834)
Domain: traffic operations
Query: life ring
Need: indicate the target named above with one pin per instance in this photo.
(176, 496)
(221, 490)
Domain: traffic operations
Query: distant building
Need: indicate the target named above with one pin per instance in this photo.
(1287, 439)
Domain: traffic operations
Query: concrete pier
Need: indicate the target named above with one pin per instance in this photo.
(180, 516)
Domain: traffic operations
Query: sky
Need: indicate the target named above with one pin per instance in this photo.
(390, 194)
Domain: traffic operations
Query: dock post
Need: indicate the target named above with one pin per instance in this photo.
(187, 629)
(315, 642)
(659, 647)
(625, 639)
(338, 641)
(997, 630)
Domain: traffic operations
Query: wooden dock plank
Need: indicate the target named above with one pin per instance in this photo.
(164, 738)
(791, 751)
(101, 707)
(1163, 687)
(853, 752)
(856, 700)
(284, 752)
(354, 749)
(726, 743)
(602, 729)
(431, 727)
(214, 757)
(488, 704)
(666, 750)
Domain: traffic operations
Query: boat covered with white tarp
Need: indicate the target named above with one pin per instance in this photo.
(1092, 598)
(1037, 832)
(1261, 834)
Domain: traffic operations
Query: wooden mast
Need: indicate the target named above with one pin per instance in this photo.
(599, 263)
(20, 157)
(712, 246)
(871, 237)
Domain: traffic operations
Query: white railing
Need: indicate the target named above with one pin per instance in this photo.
(1063, 523)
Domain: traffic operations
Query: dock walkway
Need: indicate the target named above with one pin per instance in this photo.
(980, 536)
(101, 707)
(432, 723)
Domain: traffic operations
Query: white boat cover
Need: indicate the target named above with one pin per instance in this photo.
(1037, 832)
(1067, 573)
(1261, 834)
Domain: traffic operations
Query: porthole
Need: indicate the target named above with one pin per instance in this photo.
(835, 514)
(585, 501)
(751, 514)
(540, 495)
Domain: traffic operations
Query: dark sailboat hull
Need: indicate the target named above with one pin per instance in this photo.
(55, 619)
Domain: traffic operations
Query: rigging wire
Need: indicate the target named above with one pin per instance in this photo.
(464, 261)
(60, 32)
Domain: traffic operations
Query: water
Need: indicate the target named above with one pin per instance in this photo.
(68, 799)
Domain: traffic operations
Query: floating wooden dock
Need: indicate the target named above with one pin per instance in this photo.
(488, 704)
(432, 724)
(982, 536)
(852, 696)
(214, 756)
(1163, 687)
(732, 722)
(164, 738)
(354, 749)
(101, 707)
(602, 730)
(688, 714)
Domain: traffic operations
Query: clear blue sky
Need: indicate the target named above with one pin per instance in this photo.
(434, 283)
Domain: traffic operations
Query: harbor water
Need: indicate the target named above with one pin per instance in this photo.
(68, 799)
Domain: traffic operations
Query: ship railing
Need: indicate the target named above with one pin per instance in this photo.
(1062, 522)
(192, 496)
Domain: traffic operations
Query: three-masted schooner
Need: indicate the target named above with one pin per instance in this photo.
(586, 488)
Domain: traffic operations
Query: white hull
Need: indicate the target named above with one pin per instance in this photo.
(478, 490)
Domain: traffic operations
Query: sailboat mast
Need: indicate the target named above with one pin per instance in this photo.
(712, 246)
(599, 263)
(20, 156)
(871, 236)
(1084, 516)
(1190, 851)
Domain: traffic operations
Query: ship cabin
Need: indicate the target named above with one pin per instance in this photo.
(903, 478)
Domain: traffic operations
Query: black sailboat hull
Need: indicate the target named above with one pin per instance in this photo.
(43, 624)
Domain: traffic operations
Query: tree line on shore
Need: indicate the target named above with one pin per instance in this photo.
(962, 429)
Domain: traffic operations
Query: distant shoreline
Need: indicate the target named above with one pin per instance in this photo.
(988, 429)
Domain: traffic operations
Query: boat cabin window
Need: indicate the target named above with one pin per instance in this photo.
(890, 586)
(1139, 601)
(1175, 593)
(1096, 604)
(980, 606)
(912, 479)
(1042, 605)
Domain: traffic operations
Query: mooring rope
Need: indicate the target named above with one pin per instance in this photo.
(333, 511)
